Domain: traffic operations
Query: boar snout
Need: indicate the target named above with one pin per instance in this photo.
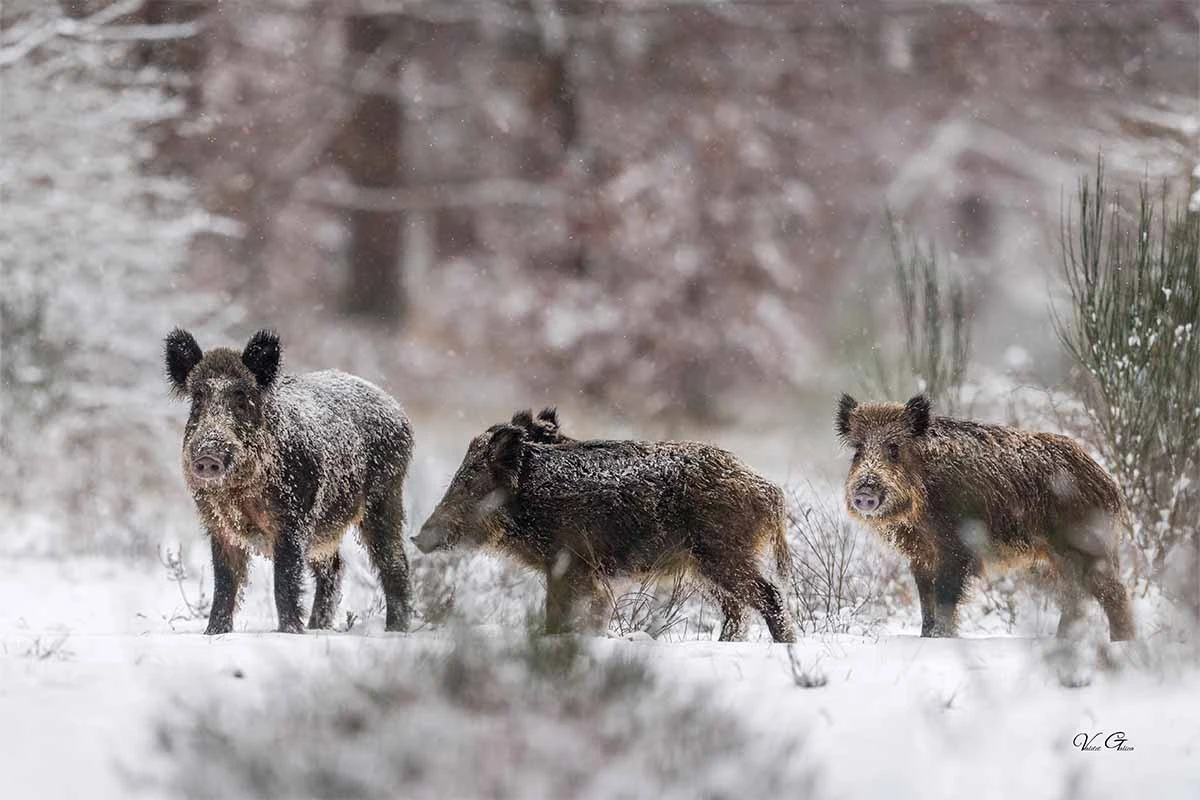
(866, 502)
(867, 497)
(208, 468)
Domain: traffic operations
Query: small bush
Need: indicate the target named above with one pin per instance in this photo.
(1132, 327)
(671, 608)
(935, 336)
(540, 718)
(837, 580)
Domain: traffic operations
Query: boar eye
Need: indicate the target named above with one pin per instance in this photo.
(240, 400)
(893, 451)
(858, 453)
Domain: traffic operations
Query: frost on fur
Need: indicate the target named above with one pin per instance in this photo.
(586, 512)
(282, 466)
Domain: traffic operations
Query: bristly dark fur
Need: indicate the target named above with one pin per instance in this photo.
(262, 356)
(954, 494)
(506, 453)
(841, 420)
(301, 458)
(182, 354)
(916, 414)
(583, 512)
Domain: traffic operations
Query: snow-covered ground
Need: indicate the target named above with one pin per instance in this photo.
(94, 653)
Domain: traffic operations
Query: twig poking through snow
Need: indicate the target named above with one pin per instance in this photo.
(806, 676)
(41, 649)
(177, 571)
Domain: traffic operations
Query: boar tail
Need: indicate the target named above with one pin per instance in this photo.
(783, 553)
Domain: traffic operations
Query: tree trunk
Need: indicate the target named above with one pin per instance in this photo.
(554, 97)
(184, 55)
(370, 153)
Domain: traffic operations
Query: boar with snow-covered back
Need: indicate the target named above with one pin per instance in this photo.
(585, 512)
(955, 495)
(281, 466)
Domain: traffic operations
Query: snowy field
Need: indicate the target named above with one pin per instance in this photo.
(94, 654)
(675, 220)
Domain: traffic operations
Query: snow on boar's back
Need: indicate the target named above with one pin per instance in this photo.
(585, 512)
(282, 465)
(953, 495)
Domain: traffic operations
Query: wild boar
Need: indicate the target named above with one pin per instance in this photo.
(282, 466)
(954, 495)
(585, 512)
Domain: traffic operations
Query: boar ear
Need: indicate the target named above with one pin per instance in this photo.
(543, 430)
(546, 426)
(916, 414)
(523, 419)
(841, 420)
(504, 455)
(182, 355)
(261, 357)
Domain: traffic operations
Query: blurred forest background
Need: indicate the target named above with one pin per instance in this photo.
(665, 216)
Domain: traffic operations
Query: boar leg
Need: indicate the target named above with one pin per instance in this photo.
(1104, 584)
(229, 572)
(766, 599)
(562, 591)
(729, 592)
(940, 591)
(924, 580)
(382, 532)
(733, 627)
(1099, 576)
(328, 576)
(948, 590)
(289, 580)
(739, 585)
(600, 608)
(1069, 617)
(1070, 597)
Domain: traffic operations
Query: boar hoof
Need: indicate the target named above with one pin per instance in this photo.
(218, 628)
(290, 627)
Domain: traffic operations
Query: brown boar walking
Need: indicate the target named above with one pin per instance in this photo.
(953, 495)
(583, 512)
(282, 466)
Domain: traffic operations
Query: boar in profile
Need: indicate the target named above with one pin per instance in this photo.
(954, 495)
(585, 512)
(282, 465)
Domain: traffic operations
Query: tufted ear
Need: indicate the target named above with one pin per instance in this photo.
(545, 427)
(916, 414)
(182, 354)
(541, 430)
(841, 419)
(261, 357)
(505, 451)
